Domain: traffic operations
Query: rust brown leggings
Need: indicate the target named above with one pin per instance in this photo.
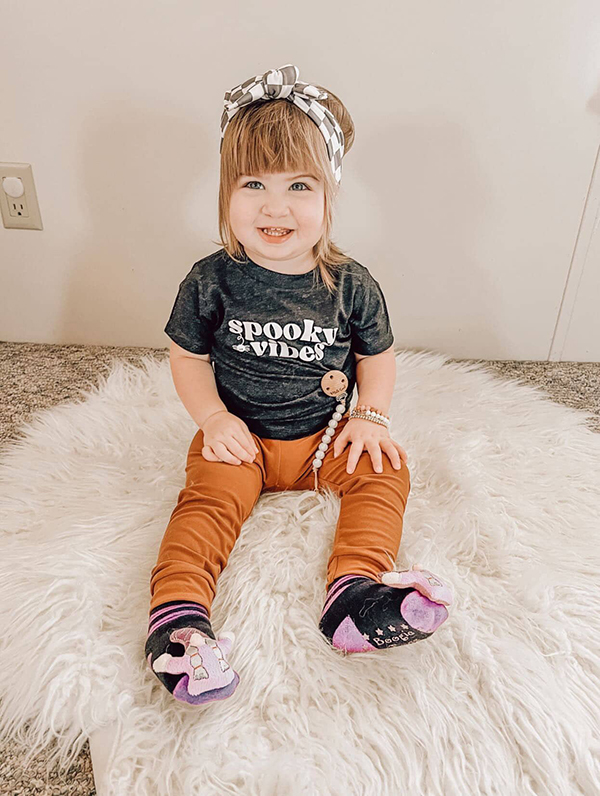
(218, 497)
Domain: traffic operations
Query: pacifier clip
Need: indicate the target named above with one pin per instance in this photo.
(334, 383)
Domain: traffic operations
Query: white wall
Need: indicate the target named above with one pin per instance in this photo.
(477, 133)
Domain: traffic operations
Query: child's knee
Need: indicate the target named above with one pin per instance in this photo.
(397, 477)
(402, 473)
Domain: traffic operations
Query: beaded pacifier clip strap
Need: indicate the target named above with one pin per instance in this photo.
(333, 383)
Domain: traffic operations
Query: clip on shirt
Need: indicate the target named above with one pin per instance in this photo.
(333, 383)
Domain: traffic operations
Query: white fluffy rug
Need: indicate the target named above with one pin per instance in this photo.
(503, 699)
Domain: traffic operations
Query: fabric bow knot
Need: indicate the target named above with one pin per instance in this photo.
(275, 84)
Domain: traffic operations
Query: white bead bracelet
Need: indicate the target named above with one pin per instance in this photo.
(370, 414)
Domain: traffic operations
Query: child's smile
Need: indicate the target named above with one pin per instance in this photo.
(275, 235)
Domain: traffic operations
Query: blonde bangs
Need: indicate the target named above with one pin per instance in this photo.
(275, 136)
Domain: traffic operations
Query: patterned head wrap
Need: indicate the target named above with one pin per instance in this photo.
(283, 83)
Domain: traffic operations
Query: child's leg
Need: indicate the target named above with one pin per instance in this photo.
(361, 613)
(369, 528)
(204, 526)
(181, 648)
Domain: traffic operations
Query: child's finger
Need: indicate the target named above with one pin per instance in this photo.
(239, 450)
(209, 454)
(224, 453)
(253, 445)
(392, 453)
(339, 444)
(400, 450)
(355, 452)
(374, 449)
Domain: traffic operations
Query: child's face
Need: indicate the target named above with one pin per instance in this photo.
(287, 200)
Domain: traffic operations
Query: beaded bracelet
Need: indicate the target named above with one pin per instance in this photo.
(364, 412)
(366, 407)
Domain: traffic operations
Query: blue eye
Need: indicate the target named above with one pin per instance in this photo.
(295, 183)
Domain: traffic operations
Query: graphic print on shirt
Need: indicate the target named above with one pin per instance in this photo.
(273, 340)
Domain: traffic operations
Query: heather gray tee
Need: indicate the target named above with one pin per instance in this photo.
(272, 337)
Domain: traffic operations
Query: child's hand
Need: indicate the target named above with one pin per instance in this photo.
(227, 439)
(375, 437)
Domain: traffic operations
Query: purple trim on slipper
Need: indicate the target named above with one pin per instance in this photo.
(341, 585)
(340, 582)
(181, 693)
(349, 639)
(421, 613)
(170, 617)
(158, 611)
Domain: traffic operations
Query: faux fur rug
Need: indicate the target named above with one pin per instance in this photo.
(503, 698)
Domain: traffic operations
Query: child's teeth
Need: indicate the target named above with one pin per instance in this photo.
(274, 231)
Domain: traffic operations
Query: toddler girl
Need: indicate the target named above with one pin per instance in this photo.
(270, 335)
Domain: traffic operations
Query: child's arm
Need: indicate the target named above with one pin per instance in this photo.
(195, 384)
(376, 378)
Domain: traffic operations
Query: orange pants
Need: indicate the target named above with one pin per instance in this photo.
(218, 497)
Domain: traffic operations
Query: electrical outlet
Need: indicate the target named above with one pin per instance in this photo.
(18, 199)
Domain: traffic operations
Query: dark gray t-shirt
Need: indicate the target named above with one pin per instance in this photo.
(272, 337)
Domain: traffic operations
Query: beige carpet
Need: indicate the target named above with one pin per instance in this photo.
(35, 377)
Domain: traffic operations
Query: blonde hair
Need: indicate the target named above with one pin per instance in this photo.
(273, 136)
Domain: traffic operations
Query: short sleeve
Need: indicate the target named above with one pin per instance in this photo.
(192, 321)
(369, 321)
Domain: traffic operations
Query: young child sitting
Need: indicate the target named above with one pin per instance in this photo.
(270, 335)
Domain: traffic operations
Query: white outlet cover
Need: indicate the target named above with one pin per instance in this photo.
(11, 174)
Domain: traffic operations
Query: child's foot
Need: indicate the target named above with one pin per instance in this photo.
(361, 614)
(182, 651)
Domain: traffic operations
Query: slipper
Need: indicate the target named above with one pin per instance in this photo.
(422, 580)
